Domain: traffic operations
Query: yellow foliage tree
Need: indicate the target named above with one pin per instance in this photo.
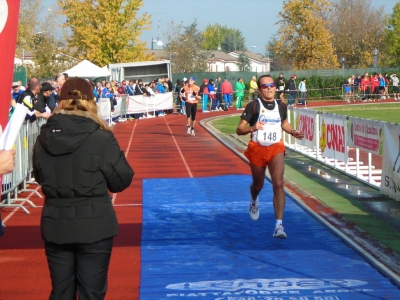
(106, 31)
(303, 39)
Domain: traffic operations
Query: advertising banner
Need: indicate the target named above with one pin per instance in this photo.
(365, 134)
(390, 181)
(306, 122)
(333, 133)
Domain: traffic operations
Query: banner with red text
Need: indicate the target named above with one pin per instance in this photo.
(390, 181)
(305, 120)
(9, 15)
(365, 134)
(333, 133)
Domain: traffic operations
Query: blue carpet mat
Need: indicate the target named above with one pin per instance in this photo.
(198, 242)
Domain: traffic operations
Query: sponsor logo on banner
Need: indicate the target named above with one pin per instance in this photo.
(365, 134)
(305, 122)
(390, 181)
(283, 288)
(333, 142)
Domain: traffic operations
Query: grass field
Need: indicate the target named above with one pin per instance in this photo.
(389, 112)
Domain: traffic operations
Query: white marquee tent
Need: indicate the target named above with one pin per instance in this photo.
(88, 70)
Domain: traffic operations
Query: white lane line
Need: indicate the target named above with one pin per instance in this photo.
(179, 150)
(16, 209)
(114, 196)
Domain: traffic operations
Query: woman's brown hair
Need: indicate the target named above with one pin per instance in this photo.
(89, 106)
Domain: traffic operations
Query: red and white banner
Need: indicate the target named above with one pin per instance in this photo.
(333, 133)
(305, 120)
(390, 181)
(9, 15)
(365, 134)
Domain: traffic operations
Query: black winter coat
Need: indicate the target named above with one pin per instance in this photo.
(76, 163)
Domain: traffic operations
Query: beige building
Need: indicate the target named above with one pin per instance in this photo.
(219, 61)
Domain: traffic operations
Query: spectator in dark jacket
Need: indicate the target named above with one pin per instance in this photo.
(77, 160)
(291, 90)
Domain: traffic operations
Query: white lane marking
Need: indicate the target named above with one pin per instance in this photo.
(114, 196)
(15, 209)
(179, 150)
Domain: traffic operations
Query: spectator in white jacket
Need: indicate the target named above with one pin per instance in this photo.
(395, 81)
(303, 92)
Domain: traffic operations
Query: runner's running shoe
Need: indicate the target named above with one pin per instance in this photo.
(193, 134)
(280, 232)
(188, 131)
(253, 210)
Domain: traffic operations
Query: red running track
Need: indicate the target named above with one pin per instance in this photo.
(155, 148)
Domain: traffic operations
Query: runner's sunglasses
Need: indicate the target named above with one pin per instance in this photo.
(268, 85)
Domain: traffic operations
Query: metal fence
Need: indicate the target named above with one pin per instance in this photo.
(17, 181)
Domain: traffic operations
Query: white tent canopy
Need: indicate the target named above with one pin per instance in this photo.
(87, 69)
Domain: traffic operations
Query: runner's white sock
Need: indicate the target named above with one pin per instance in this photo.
(278, 222)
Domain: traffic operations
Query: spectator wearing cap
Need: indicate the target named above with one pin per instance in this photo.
(227, 92)
(16, 90)
(78, 162)
(45, 104)
(291, 90)
(203, 93)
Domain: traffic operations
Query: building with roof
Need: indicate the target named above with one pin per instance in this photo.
(219, 61)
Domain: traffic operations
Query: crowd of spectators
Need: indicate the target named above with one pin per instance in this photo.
(42, 97)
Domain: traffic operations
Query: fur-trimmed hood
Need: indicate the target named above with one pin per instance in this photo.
(66, 130)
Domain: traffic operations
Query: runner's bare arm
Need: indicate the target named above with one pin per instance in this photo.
(243, 129)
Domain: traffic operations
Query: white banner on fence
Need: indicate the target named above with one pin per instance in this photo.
(333, 133)
(305, 120)
(390, 181)
(365, 134)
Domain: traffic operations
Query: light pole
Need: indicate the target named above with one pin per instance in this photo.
(342, 60)
(375, 52)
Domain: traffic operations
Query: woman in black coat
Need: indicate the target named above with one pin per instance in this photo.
(77, 161)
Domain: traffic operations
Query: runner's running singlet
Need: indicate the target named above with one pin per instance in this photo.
(190, 96)
(272, 129)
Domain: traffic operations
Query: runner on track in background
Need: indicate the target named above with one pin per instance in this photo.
(267, 117)
(192, 98)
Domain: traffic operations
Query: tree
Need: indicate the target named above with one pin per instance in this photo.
(106, 31)
(228, 39)
(184, 44)
(357, 28)
(303, 38)
(243, 63)
(392, 38)
(277, 62)
(233, 41)
(38, 37)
